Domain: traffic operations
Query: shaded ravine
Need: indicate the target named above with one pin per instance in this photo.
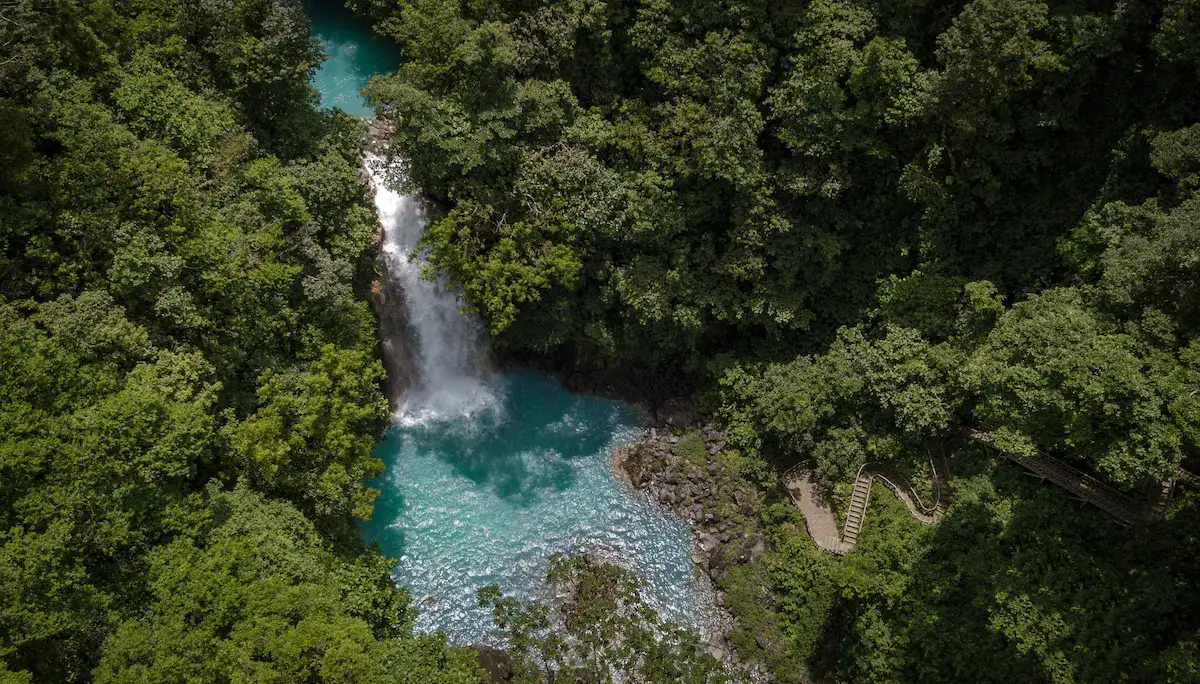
(487, 474)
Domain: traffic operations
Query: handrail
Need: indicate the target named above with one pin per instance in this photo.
(868, 472)
(1188, 477)
(887, 474)
(1087, 487)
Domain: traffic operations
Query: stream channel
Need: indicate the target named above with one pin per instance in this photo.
(488, 474)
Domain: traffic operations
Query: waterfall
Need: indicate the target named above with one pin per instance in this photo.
(446, 351)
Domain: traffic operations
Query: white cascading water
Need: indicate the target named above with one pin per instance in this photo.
(449, 348)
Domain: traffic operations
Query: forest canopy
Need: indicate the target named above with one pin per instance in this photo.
(864, 231)
(869, 231)
(975, 214)
(189, 388)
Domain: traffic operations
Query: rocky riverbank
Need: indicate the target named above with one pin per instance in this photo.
(682, 463)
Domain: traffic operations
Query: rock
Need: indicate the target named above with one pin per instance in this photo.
(496, 663)
(716, 652)
(759, 547)
(708, 542)
(763, 641)
(678, 412)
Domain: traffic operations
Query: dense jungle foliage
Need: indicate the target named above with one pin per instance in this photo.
(872, 229)
(189, 391)
(863, 227)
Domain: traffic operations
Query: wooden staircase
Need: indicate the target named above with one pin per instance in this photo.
(858, 508)
(821, 519)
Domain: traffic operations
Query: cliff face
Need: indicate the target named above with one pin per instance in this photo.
(394, 347)
(386, 296)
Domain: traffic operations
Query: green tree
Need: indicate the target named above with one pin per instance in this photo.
(310, 439)
(249, 593)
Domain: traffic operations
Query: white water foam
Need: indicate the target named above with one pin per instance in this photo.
(450, 350)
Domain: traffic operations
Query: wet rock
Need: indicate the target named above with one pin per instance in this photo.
(495, 663)
(677, 412)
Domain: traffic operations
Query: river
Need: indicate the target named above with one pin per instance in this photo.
(488, 474)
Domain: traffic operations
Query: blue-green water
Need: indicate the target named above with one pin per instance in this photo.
(488, 475)
(471, 501)
(355, 54)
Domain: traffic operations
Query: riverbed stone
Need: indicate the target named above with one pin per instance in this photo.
(495, 663)
(676, 412)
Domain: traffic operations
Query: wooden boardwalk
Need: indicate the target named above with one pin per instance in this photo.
(809, 496)
(1126, 510)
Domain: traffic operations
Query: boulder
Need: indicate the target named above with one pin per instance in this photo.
(678, 412)
(495, 663)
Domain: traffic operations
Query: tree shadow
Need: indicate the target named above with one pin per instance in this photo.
(1023, 583)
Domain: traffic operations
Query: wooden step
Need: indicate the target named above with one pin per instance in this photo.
(858, 510)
